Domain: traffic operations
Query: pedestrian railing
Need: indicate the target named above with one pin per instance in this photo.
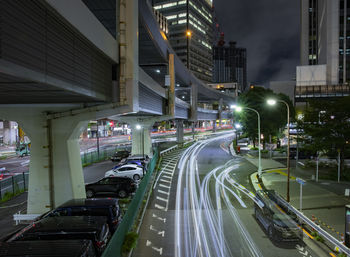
(89, 157)
(114, 246)
(13, 185)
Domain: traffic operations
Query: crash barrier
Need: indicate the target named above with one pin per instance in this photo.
(89, 157)
(168, 150)
(314, 226)
(114, 246)
(14, 184)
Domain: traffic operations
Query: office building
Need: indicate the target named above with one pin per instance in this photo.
(230, 64)
(190, 33)
(325, 50)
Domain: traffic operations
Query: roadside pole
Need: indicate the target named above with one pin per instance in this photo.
(316, 166)
(302, 183)
(338, 165)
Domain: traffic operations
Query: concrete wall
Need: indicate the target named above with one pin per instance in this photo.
(311, 75)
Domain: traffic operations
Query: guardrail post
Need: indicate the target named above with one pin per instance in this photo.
(24, 181)
(13, 185)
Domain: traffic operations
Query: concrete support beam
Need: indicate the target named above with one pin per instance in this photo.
(179, 131)
(171, 92)
(55, 170)
(220, 112)
(194, 102)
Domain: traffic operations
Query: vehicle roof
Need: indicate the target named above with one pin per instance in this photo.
(90, 202)
(129, 165)
(69, 224)
(40, 248)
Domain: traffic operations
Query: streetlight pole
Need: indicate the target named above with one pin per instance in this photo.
(238, 109)
(272, 102)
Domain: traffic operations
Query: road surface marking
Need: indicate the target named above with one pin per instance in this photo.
(159, 250)
(163, 192)
(167, 172)
(159, 218)
(162, 185)
(166, 181)
(164, 176)
(162, 233)
(162, 199)
(160, 207)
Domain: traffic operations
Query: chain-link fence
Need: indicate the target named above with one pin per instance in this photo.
(13, 185)
(94, 156)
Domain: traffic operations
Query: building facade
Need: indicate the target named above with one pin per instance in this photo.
(190, 33)
(325, 49)
(230, 64)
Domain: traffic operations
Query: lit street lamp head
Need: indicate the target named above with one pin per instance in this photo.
(138, 127)
(271, 101)
(188, 33)
(238, 109)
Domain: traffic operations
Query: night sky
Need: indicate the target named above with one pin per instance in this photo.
(269, 29)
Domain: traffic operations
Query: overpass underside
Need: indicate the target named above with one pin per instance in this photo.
(64, 63)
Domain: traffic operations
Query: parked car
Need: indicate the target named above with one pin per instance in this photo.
(118, 156)
(106, 207)
(122, 187)
(139, 157)
(278, 225)
(137, 162)
(129, 170)
(40, 248)
(67, 228)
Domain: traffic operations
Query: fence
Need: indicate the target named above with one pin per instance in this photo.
(93, 156)
(14, 184)
(115, 245)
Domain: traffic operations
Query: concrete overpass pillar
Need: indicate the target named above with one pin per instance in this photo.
(214, 125)
(220, 112)
(55, 170)
(179, 131)
(141, 138)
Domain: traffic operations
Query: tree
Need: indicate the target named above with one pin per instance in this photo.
(326, 126)
(273, 118)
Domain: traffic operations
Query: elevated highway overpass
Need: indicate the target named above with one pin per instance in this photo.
(64, 63)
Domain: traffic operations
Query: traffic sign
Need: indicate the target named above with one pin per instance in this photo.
(300, 181)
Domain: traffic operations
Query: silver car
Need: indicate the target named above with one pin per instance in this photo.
(129, 170)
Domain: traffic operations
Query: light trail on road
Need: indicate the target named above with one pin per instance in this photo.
(200, 228)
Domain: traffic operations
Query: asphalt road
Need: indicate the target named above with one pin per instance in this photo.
(201, 213)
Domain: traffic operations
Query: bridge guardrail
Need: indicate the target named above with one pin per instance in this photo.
(114, 246)
(316, 227)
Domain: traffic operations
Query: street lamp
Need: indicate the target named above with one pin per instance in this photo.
(273, 102)
(139, 127)
(239, 109)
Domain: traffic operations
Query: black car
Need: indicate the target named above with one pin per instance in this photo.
(68, 228)
(120, 186)
(118, 156)
(40, 248)
(106, 207)
(277, 223)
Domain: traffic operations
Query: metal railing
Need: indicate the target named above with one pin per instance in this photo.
(314, 226)
(14, 184)
(114, 246)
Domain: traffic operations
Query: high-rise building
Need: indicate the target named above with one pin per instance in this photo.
(230, 64)
(325, 49)
(190, 33)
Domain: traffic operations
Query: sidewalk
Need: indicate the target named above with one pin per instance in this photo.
(324, 200)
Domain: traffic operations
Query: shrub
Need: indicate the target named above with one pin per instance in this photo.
(341, 255)
(264, 151)
(254, 148)
(129, 242)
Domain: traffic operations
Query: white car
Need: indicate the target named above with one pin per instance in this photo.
(129, 170)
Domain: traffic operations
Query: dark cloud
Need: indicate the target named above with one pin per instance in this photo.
(269, 29)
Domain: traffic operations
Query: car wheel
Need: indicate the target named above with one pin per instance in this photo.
(89, 193)
(122, 193)
(136, 177)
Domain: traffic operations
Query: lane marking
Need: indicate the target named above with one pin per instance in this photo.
(163, 192)
(167, 172)
(162, 199)
(160, 207)
(159, 250)
(162, 233)
(159, 218)
(166, 181)
(164, 176)
(162, 185)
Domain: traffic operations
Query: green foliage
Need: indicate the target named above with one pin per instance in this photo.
(319, 238)
(264, 151)
(273, 118)
(9, 195)
(327, 128)
(254, 148)
(341, 255)
(129, 242)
